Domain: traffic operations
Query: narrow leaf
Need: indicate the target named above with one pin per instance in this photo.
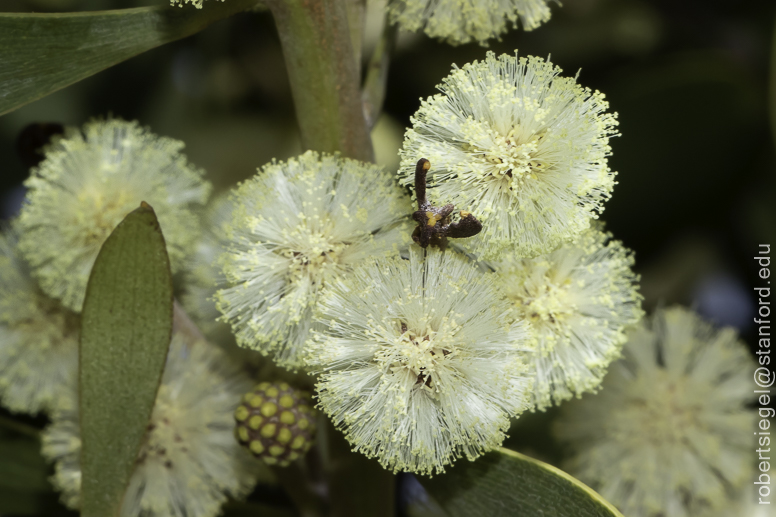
(41, 53)
(125, 334)
(506, 483)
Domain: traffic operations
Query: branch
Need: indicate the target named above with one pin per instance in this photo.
(324, 75)
(373, 94)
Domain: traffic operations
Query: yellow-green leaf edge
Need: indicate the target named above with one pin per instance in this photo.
(458, 496)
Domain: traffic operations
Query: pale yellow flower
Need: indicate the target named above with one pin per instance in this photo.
(38, 336)
(580, 300)
(670, 433)
(421, 362)
(89, 181)
(190, 460)
(518, 145)
(463, 21)
(297, 226)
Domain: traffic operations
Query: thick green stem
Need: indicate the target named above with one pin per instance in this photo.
(324, 75)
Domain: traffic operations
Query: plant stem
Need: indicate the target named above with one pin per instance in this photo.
(324, 75)
(377, 74)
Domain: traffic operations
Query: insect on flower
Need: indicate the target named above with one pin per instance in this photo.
(434, 223)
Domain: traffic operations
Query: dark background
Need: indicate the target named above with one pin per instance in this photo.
(689, 79)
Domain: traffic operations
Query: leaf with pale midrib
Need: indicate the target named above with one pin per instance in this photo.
(41, 53)
(505, 483)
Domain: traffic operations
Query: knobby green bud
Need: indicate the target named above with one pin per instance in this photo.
(276, 423)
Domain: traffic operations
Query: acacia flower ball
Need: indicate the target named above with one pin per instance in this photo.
(459, 21)
(670, 431)
(420, 364)
(580, 300)
(519, 146)
(38, 337)
(297, 226)
(189, 461)
(89, 181)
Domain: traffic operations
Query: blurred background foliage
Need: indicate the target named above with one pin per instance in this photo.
(690, 81)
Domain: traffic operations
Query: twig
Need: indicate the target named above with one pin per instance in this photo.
(373, 92)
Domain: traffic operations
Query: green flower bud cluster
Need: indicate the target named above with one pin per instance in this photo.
(276, 423)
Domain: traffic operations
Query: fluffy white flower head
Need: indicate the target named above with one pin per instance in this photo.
(580, 300)
(38, 337)
(519, 146)
(463, 21)
(195, 3)
(669, 432)
(90, 180)
(297, 226)
(203, 274)
(189, 461)
(420, 365)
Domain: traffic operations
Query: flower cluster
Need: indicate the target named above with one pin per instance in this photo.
(668, 433)
(189, 460)
(420, 364)
(296, 227)
(38, 336)
(90, 180)
(518, 145)
(463, 21)
(580, 298)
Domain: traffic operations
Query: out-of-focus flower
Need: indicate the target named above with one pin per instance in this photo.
(203, 274)
(195, 3)
(520, 147)
(90, 180)
(463, 21)
(669, 434)
(579, 299)
(38, 337)
(296, 227)
(189, 461)
(420, 364)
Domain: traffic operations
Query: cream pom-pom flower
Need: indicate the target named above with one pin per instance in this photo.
(580, 300)
(89, 181)
(519, 146)
(670, 432)
(189, 460)
(297, 226)
(195, 3)
(463, 21)
(38, 337)
(420, 364)
(203, 276)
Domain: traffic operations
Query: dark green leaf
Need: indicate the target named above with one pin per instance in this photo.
(125, 334)
(41, 53)
(506, 483)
